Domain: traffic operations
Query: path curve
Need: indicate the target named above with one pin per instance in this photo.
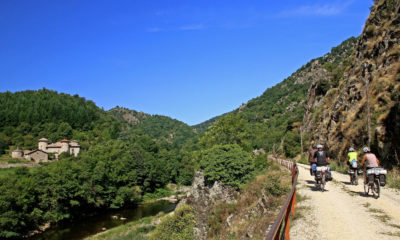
(343, 212)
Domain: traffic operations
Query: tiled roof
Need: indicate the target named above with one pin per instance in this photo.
(54, 145)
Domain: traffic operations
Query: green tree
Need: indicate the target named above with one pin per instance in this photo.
(229, 129)
(64, 131)
(179, 226)
(227, 163)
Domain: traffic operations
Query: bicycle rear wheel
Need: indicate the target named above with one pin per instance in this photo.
(377, 188)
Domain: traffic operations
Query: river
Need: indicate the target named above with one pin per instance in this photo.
(82, 228)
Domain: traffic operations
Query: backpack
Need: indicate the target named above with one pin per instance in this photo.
(321, 158)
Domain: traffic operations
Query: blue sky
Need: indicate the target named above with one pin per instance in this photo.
(190, 60)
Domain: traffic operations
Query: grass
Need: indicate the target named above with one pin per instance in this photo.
(375, 210)
(383, 218)
(137, 230)
(367, 204)
(393, 234)
(393, 178)
(274, 183)
(6, 159)
(338, 167)
(158, 193)
(394, 225)
(6, 171)
(379, 214)
(301, 198)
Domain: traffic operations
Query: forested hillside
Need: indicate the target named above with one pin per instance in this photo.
(162, 129)
(29, 115)
(116, 167)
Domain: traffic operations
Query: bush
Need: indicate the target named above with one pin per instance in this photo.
(227, 163)
(158, 193)
(274, 186)
(393, 178)
(261, 162)
(179, 226)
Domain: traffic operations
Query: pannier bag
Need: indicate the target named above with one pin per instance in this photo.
(371, 178)
(314, 167)
(328, 176)
(382, 179)
(354, 164)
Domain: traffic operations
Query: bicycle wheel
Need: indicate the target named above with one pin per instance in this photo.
(377, 187)
(355, 178)
(366, 190)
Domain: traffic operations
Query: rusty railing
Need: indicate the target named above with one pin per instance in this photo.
(281, 227)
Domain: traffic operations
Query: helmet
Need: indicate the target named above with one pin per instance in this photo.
(366, 149)
(351, 149)
(320, 146)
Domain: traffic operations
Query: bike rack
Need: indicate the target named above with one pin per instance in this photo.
(281, 227)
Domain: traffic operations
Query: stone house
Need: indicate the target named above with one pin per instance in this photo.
(44, 148)
(37, 156)
(71, 147)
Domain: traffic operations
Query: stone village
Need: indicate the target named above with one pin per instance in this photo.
(44, 149)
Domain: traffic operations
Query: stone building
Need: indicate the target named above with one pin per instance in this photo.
(37, 156)
(44, 148)
(71, 147)
(17, 153)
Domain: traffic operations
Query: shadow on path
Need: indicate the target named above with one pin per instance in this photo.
(312, 187)
(361, 194)
(347, 183)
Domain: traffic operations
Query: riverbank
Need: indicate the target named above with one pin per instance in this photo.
(133, 231)
(104, 222)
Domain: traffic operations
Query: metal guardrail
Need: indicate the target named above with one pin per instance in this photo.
(281, 227)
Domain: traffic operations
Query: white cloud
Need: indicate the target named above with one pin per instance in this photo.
(330, 9)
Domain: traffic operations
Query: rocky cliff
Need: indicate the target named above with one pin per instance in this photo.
(369, 83)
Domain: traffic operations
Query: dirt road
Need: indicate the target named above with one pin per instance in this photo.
(343, 212)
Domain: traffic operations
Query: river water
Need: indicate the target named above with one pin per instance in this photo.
(82, 228)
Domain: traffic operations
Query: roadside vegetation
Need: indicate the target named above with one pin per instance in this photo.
(255, 207)
(136, 230)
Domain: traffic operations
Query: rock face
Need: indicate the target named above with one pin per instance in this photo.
(339, 115)
(203, 198)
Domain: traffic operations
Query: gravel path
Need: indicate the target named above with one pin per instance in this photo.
(343, 212)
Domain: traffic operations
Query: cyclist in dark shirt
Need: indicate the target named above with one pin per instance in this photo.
(321, 156)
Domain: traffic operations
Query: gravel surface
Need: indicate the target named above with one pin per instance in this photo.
(344, 212)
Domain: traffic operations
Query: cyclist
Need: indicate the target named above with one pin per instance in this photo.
(311, 160)
(353, 157)
(371, 159)
(321, 156)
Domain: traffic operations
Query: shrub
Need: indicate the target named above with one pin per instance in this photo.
(274, 186)
(261, 162)
(227, 163)
(158, 193)
(393, 178)
(178, 226)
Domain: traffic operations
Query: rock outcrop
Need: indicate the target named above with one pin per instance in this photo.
(203, 198)
(340, 115)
